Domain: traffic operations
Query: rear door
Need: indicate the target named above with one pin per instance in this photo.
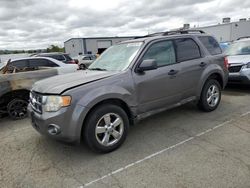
(192, 63)
(161, 87)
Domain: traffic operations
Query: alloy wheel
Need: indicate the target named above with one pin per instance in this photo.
(213, 95)
(109, 129)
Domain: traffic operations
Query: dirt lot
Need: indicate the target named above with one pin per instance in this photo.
(182, 147)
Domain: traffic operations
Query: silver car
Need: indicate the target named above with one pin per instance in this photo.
(128, 82)
(238, 57)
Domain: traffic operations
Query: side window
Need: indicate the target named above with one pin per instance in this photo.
(41, 63)
(19, 64)
(187, 49)
(163, 52)
(211, 44)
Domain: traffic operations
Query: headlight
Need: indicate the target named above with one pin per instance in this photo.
(248, 65)
(55, 103)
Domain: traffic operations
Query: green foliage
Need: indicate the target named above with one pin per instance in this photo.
(54, 48)
(51, 48)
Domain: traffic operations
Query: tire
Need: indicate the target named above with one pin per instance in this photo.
(82, 66)
(100, 124)
(210, 96)
(17, 109)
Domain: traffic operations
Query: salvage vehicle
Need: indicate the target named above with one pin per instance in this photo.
(128, 82)
(238, 57)
(85, 60)
(63, 57)
(17, 77)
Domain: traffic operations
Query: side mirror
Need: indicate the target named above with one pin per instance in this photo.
(148, 64)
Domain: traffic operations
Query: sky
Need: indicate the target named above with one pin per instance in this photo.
(36, 24)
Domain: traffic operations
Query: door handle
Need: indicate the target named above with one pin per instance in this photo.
(173, 72)
(203, 64)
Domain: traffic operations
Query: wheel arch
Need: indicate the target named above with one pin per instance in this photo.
(213, 75)
(217, 77)
(20, 93)
(115, 101)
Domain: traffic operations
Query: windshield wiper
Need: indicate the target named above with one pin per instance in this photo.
(98, 69)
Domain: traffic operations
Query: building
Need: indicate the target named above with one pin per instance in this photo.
(77, 46)
(228, 31)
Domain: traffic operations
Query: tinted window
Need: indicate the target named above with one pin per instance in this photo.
(41, 63)
(54, 56)
(68, 58)
(187, 49)
(19, 64)
(162, 52)
(58, 57)
(211, 44)
(86, 58)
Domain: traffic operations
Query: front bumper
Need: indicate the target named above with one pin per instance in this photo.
(68, 121)
(242, 77)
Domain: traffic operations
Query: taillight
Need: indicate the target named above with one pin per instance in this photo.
(76, 61)
(72, 62)
(226, 62)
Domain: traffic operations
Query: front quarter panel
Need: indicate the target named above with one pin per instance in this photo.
(119, 86)
(106, 92)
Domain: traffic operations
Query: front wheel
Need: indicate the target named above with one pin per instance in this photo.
(210, 96)
(106, 128)
(82, 67)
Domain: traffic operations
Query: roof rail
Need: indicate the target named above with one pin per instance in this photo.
(174, 32)
(246, 37)
(189, 31)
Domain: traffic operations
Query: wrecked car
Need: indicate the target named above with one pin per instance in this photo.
(17, 78)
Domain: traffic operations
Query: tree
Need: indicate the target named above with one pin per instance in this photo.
(54, 48)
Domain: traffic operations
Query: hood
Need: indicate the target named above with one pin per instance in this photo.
(238, 59)
(58, 84)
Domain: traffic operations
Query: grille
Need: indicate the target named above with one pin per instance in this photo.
(235, 68)
(36, 102)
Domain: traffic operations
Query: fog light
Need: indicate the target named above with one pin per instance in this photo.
(54, 130)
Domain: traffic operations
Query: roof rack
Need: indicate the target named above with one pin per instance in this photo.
(174, 32)
(246, 37)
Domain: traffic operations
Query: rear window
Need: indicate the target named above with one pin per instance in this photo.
(86, 58)
(54, 56)
(68, 58)
(58, 57)
(211, 44)
(187, 49)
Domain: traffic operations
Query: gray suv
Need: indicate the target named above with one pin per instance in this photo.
(128, 82)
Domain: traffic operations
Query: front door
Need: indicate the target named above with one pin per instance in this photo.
(159, 88)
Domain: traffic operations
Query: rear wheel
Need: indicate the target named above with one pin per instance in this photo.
(17, 109)
(106, 128)
(210, 96)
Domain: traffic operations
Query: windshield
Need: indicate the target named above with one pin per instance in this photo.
(239, 48)
(116, 58)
